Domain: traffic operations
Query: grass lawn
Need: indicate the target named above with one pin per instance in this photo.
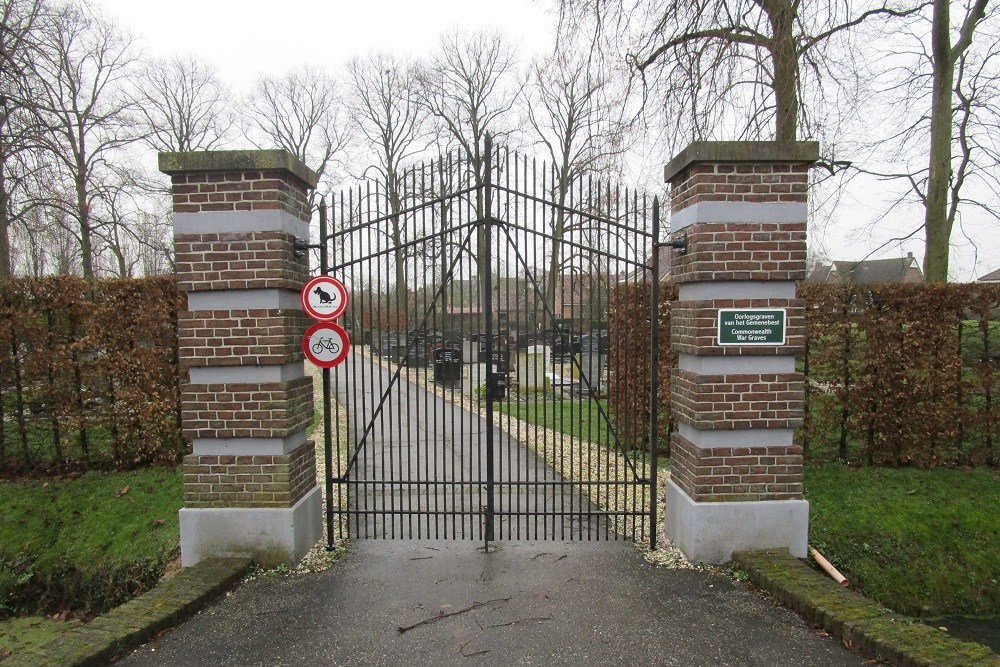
(921, 542)
(86, 544)
(579, 418)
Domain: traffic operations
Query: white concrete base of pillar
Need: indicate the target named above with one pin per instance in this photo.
(271, 535)
(711, 532)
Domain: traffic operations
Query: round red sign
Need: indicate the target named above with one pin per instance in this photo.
(326, 344)
(324, 298)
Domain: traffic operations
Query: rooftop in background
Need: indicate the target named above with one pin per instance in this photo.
(991, 277)
(868, 272)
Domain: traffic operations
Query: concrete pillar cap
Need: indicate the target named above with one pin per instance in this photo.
(256, 160)
(759, 152)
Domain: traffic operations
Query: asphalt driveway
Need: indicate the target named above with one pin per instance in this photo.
(552, 603)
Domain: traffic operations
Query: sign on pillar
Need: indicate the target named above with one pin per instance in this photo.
(324, 298)
(325, 343)
(751, 326)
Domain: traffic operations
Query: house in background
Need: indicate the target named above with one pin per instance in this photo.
(869, 272)
(991, 277)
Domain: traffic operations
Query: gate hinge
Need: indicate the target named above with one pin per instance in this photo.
(678, 244)
(300, 246)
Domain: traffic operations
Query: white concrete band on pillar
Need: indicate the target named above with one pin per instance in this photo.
(738, 211)
(244, 299)
(748, 437)
(271, 534)
(247, 374)
(703, 365)
(736, 289)
(248, 446)
(240, 222)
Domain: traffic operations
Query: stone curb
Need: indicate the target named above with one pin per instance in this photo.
(135, 622)
(848, 616)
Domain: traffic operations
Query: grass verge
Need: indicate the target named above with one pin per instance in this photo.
(86, 544)
(921, 542)
(20, 635)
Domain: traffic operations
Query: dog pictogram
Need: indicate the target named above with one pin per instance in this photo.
(324, 296)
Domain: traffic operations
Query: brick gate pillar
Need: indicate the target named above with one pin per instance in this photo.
(736, 473)
(250, 481)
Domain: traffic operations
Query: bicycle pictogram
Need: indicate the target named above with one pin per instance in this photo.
(325, 344)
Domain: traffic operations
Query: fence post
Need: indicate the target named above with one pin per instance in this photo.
(250, 481)
(736, 475)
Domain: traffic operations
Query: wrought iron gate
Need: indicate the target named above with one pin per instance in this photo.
(476, 397)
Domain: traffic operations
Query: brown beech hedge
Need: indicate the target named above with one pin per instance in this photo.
(88, 374)
(900, 375)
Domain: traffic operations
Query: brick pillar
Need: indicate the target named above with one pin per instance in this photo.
(736, 473)
(250, 483)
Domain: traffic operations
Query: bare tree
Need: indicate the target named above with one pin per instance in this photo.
(387, 113)
(470, 88)
(940, 140)
(734, 61)
(298, 111)
(570, 107)
(82, 69)
(185, 105)
(19, 126)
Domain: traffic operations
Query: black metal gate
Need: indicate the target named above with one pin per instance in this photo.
(476, 396)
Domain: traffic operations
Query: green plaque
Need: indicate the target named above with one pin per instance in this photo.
(751, 326)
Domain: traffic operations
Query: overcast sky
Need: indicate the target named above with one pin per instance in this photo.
(246, 38)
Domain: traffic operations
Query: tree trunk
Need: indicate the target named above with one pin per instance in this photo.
(5, 263)
(786, 69)
(937, 226)
(399, 253)
(83, 216)
(555, 263)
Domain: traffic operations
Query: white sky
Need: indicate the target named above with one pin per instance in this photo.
(247, 38)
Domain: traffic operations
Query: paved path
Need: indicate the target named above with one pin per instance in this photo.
(431, 602)
(542, 603)
(422, 470)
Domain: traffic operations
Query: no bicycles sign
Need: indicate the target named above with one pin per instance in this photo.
(326, 344)
(324, 298)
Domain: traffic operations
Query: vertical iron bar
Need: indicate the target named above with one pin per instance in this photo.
(324, 264)
(487, 222)
(654, 383)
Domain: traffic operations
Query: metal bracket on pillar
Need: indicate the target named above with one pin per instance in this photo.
(679, 244)
(300, 247)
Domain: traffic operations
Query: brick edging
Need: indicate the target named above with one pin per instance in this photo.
(848, 616)
(127, 627)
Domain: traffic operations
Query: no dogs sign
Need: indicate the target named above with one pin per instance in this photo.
(324, 298)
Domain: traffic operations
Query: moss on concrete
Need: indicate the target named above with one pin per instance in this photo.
(849, 616)
(134, 622)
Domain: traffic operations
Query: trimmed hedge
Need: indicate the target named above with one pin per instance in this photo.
(903, 374)
(628, 364)
(896, 374)
(88, 374)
